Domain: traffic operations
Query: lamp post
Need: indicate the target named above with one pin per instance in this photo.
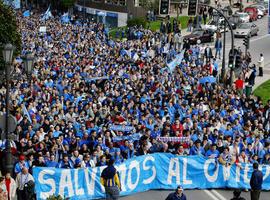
(28, 64)
(223, 69)
(230, 27)
(84, 11)
(7, 56)
(28, 61)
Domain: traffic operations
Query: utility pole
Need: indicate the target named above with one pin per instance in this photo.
(232, 41)
(84, 11)
(246, 44)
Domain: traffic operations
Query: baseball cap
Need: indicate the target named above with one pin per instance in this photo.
(21, 157)
(180, 187)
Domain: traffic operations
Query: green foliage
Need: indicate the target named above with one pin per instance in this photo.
(137, 21)
(263, 91)
(54, 197)
(67, 3)
(150, 4)
(8, 30)
(154, 26)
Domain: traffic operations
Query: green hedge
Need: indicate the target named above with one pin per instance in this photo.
(137, 21)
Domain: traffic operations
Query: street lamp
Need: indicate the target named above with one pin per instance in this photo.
(230, 27)
(8, 53)
(223, 67)
(28, 61)
(28, 64)
(7, 56)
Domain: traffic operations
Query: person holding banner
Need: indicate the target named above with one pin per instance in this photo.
(110, 180)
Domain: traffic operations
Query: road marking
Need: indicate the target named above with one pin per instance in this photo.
(211, 195)
(259, 38)
(218, 195)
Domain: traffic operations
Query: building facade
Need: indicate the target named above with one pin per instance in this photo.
(115, 13)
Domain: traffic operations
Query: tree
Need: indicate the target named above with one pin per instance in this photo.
(67, 3)
(150, 4)
(8, 31)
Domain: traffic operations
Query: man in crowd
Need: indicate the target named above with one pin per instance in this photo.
(261, 64)
(22, 180)
(110, 180)
(178, 194)
(256, 182)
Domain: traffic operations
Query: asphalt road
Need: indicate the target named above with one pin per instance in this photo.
(258, 44)
(193, 195)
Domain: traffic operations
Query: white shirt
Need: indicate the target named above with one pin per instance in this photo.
(22, 179)
(261, 62)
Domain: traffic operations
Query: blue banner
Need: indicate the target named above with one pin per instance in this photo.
(109, 14)
(153, 171)
(16, 4)
(133, 137)
(121, 128)
(178, 59)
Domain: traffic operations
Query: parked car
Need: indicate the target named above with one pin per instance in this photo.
(260, 14)
(263, 3)
(204, 1)
(200, 34)
(232, 23)
(214, 26)
(244, 17)
(260, 6)
(253, 13)
(246, 29)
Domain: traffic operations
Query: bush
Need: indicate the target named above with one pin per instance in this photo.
(137, 21)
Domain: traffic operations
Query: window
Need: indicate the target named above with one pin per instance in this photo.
(117, 2)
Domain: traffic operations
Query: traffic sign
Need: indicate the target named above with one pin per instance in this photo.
(164, 7)
(192, 7)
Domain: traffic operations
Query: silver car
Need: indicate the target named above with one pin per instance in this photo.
(246, 29)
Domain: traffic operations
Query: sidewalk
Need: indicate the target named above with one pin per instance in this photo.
(266, 76)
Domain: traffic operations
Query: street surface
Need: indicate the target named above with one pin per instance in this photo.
(193, 195)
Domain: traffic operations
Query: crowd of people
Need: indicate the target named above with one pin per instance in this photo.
(92, 98)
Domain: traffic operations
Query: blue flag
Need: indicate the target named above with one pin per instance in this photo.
(65, 18)
(26, 13)
(47, 15)
(26, 113)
